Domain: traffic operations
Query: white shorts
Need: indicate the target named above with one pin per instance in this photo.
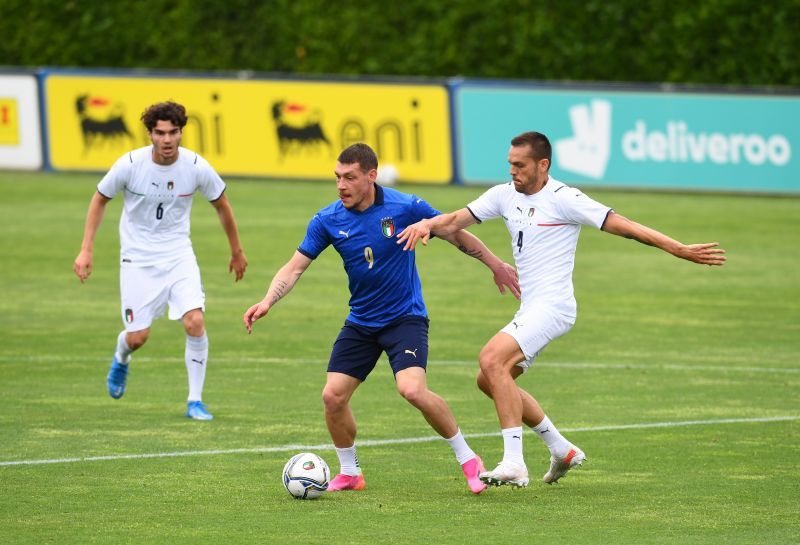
(146, 291)
(534, 328)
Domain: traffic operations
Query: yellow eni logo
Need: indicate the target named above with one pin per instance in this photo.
(311, 122)
(273, 128)
(9, 122)
(300, 132)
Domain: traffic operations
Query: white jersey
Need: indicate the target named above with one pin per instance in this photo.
(544, 231)
(154, 227)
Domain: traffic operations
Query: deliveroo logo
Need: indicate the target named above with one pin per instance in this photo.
(587, 151)
(679, 144)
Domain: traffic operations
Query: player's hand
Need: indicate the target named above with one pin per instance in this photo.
(506, 275)
(83, 265)
(706, 254)
(238, 264)
(413, 234)
(259, 310)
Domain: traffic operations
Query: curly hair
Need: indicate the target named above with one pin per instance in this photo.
(164, 111)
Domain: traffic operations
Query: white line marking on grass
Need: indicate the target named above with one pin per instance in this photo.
(324, 360)
(652, 367)
(671, 366)
(383, 442)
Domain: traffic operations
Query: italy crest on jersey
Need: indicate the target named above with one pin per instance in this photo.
(129, 315)
(387, 227)
(170, 185)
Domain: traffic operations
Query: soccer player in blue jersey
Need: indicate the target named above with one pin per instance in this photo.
(387, 312)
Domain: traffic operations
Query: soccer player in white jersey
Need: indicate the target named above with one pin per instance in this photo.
(544, 218)
(158, 267)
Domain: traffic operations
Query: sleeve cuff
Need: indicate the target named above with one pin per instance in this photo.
(473, 215)
(307, 254)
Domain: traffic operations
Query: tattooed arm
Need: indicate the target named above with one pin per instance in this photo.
(282, 283)
(503, 273)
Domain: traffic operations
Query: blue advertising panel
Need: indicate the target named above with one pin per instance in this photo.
(634, 139)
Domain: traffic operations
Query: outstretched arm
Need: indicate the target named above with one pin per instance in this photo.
(282, 283)
(706, 254)
(441, 226)
(503, 273)
(94, 217)
(238, 262)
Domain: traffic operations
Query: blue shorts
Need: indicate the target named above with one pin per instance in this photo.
(357, 348)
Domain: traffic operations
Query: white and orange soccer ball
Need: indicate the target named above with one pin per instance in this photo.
(306, 476)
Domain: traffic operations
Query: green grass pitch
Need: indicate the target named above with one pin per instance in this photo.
(680, 382)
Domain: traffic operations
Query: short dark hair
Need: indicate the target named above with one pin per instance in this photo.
(164, 111)
(540, 145)
(359, 153)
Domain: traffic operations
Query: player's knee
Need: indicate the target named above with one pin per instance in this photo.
(413, 393)
(136, 339)
(193, 323)
(333, 400)
(490, 363)
(483, 384)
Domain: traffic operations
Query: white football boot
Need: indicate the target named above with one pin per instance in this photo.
(506, 473)
(559, 466)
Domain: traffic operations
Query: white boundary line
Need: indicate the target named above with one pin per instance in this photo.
(324, 360)
(382, 442)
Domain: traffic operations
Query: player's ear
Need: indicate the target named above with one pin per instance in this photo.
(373, 175)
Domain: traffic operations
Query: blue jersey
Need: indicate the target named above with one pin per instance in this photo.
(383, 280)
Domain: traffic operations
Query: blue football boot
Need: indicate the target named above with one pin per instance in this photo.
(116, 378)
(197, 410)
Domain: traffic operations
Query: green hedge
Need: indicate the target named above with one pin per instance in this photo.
(731, 42)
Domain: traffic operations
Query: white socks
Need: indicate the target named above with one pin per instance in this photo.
(348, 461)
(196, 358)
(547, 432)
(461, 448)
(123, 352)
(512, 446)
(559, 447)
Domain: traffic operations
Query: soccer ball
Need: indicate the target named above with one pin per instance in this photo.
(387, 175)
(306, 476)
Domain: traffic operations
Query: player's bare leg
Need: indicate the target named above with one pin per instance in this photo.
(336, 396)
(532, 412)
(136, 339)
(412, 385)
(341, 424)
(497, 360)
(563, 454)
(497, 363)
